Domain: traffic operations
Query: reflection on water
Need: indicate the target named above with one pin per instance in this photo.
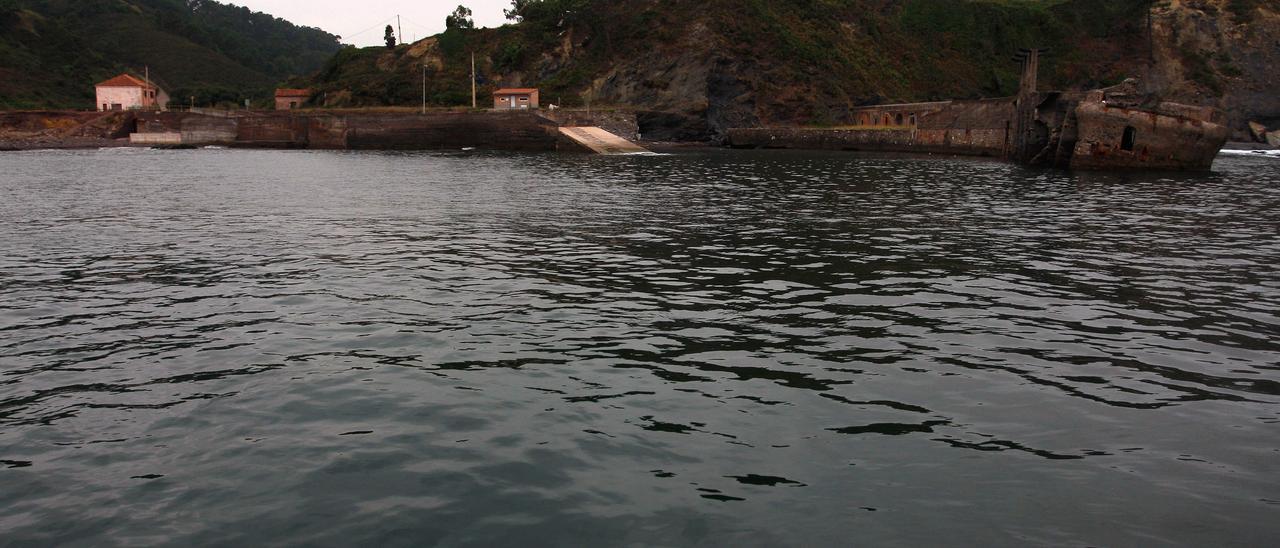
(231, 347)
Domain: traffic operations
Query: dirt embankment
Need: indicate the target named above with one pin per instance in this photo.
(22, 130)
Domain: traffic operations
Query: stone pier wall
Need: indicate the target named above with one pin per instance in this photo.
(973, 128)
(360, 130)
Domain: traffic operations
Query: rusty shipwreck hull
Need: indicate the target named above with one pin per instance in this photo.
(1115, 128)
(1122, 138)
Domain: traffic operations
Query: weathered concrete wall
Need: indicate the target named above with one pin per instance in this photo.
(1158, 141)
(279, 130)
(203, 130)
(976, 114)
(196, 129)
(512, 130)
(327, 132)
(902, 115)
(976, 128)
(883, 140)
(969, 142)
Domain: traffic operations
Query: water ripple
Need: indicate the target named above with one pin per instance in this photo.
(247, 347)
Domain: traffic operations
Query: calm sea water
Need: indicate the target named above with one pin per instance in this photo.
(701, 349)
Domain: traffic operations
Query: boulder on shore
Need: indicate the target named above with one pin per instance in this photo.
(1273, 139)
(1258, 131)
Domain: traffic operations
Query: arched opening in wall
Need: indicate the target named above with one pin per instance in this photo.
(1129, 139)
(913, 120)
(898, 119)
(887, 120)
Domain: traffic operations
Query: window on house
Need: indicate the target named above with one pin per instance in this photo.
(1129, 139)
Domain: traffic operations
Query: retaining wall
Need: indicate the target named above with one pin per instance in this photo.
(517, 130)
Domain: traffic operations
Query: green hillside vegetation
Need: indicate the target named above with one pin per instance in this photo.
(853, 51)
(53, 51)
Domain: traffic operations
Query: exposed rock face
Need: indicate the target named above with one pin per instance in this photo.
(1213, 52)
(1199, 52)
(1273, 139)
(1258, 132)
(37, 129)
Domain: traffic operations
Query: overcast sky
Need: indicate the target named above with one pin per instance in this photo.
(361, 22)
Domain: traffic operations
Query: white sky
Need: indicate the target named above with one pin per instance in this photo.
(361, 22)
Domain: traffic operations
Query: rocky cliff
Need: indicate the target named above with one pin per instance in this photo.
(693, 68)
(1224, 53)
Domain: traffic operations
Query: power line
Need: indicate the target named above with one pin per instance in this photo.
(380, 24)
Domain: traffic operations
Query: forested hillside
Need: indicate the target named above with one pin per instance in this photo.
(53, 51)
(710, 64)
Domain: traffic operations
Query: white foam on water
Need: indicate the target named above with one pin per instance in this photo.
(1252, 153)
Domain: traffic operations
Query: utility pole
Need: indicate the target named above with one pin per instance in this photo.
(399, 29)
(473, 81)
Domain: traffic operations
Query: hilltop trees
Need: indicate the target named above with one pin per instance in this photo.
(460, 19)
(553, 11)
(390, 37)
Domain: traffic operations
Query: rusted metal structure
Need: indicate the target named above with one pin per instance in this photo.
(1114, 128)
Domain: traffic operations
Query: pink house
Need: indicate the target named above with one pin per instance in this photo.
(125, 92)
(515, 98)
(289, 99)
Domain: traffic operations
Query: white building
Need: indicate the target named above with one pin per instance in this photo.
(125, 92)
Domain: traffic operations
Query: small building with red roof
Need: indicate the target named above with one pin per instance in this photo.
(289, 99)
(128, 92)
(515, 98)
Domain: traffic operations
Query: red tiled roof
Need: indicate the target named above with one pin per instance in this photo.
(123, 81)
(286, 92)
(515, 91)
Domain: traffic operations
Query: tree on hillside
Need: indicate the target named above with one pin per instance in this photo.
(518, 8)
(460, 19)
(390, 37)
(557, 12)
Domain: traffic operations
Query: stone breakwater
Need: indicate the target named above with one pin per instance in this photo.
(318, 129)
(358, 130)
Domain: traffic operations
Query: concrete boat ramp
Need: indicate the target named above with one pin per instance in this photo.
(599, 141)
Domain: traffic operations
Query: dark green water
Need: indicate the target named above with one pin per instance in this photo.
(706, 349)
